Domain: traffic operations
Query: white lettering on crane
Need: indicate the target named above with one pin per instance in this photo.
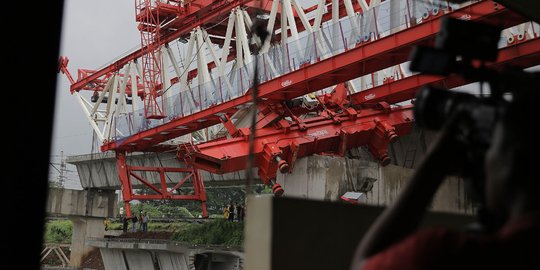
(286, 83)
(318, 133)
(370, 96)
(465, 17)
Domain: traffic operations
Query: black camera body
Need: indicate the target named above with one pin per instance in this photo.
(474, 124)
(477, 115)
(457, 45)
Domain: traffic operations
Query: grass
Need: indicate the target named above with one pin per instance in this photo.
(215, 232)
(58, 231)
(153, 226)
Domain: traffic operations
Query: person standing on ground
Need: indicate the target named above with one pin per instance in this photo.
(226, 212)
(140, 221)
(107, 223)
(240, 211)
(232, 209)
(134, 225)
(145, 222)
(124, 223)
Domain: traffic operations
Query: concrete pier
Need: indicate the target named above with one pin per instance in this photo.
(86, 209)
(329, 177)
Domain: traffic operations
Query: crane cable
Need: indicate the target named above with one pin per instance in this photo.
(257, 29)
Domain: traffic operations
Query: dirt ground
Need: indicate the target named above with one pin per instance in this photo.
(147, 235)
(93, 260)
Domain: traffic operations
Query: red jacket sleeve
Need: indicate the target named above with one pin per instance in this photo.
(422, 250)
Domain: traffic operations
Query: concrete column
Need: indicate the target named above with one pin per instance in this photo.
(139, 259)
(113, 258)
(172, 261)
(86, 209)
(84, 227)
(328, 178)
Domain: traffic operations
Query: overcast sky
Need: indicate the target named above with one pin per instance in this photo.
(94, 33)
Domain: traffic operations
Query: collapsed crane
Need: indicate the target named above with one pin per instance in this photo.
(331, 80)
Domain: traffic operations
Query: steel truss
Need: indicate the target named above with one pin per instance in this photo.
(219, 53)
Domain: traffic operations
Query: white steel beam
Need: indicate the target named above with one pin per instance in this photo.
(320, 41)
(284, 52)
(350, 12)
(321, 9)
(172, 59)
(211, 48)
(184, 87)
(187, 61)
(243, 38)
(121, 104)
(111, 106)
(336, 33)
(239, 52)
(88, 115)
(134, 88)
(98, 116)
(247, 20)
(166, 78)
(202, 68)
(227, 43)
(215, 58)
(270, 64)
(302, 15)
(111, 95)
(270, 26)
(108, 85)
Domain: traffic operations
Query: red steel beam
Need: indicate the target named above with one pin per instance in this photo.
(373, 127)
(523, 55)
(197, 20)
(127, 172)
(160, 197)
(364, 59)
(159, 169)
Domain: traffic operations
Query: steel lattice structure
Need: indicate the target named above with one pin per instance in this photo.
(332, 79)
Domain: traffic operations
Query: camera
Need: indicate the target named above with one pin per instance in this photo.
(457, 45)
(477, 115)
(470, 119)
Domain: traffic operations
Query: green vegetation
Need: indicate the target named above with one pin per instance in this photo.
(217, 198)
(58, 231)
(215, 232)
(158, 209)
(154, 226)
